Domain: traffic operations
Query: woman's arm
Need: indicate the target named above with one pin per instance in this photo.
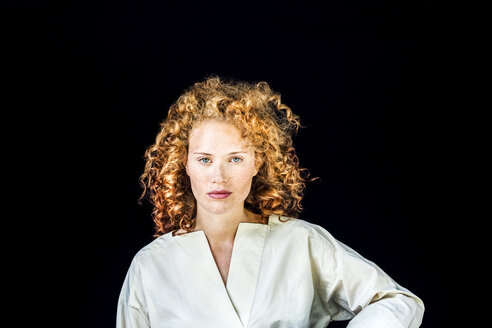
(132, 309)
(396, 310)
(364, 292)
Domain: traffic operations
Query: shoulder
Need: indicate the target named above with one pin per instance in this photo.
(157, 248)
(290, 224)
(300, 228)
(307, 240)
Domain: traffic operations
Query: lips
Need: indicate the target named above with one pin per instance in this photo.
(219, 194)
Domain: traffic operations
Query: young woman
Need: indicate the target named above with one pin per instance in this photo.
(230, 249)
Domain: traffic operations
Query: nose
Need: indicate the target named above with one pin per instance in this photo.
(219, 175)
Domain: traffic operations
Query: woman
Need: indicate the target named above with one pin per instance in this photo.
(226, 188)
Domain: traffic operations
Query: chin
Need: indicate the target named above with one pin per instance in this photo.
(219, 210)
(220, 207)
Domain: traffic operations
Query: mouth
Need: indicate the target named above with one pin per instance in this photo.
(219, 194)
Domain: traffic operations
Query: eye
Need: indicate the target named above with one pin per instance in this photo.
(236, 159)
(204, 160)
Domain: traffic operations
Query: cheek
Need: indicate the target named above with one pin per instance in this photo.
(197, 181)
(195, 176)
(245, 177)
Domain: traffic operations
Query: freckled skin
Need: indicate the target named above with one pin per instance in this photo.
(220, 170)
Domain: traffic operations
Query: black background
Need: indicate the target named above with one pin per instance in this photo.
(89, 83)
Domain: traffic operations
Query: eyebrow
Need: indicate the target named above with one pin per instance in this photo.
(207, 154)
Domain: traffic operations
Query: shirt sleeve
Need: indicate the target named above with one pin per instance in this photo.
(356, 288)
(132, 307)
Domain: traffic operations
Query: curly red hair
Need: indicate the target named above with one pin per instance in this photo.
(262, 118)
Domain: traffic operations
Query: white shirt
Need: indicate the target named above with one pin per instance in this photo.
(282, 274)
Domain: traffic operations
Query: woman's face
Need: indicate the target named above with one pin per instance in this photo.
(221, 167)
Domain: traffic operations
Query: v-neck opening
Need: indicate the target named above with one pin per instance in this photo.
(233, 251)
(238, 292)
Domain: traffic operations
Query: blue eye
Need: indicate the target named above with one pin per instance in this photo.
(236, 159)
(204, 160)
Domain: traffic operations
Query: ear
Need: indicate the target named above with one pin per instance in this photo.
(258, 163)
(186, 168)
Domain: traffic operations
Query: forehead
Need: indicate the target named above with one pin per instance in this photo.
(217, 136)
